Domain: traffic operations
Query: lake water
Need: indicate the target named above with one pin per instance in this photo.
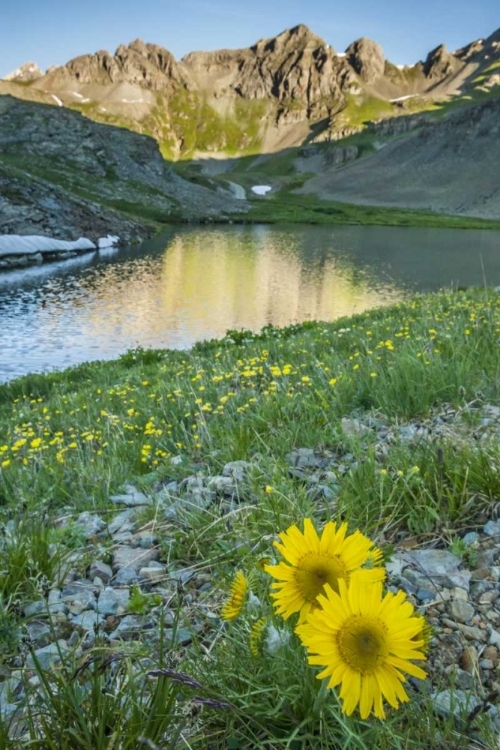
(195, 283)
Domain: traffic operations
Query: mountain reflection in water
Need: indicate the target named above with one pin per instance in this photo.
(195, 283)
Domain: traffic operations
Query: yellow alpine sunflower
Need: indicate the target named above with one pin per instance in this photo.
(238, 595)
(364, 642)
(312, 562)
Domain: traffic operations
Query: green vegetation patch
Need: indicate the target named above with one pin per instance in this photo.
(285, 207)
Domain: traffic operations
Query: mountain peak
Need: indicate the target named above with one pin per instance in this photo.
(367, 58)
(27, 72)
(299, 37)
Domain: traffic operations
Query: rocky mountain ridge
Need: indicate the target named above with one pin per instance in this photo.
(282, 91)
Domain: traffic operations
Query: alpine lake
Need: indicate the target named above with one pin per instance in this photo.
(196, 282)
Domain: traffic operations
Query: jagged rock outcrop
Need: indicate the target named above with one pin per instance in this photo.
(147, 65)
(296, 68)
(441, 63)
(367, 58)
(27, 72)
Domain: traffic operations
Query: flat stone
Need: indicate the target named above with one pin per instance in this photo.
(152, 575)
(130, 557)
(473, 633)
(101, 570)
(462, 610)
(439, 566)
(112, 601)
(454, 702)
(88, 620)
(132, 498)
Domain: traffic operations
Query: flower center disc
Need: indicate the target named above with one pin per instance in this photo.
(362, 642)
(313, 571)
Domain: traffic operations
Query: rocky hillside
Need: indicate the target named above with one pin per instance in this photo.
(451, 165)
(63, 175)
(281, 92)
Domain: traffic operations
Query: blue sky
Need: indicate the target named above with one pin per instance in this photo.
(51, 32)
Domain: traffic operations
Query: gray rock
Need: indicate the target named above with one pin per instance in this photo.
(462, 610)
(123, 522)
(492, 528)
(130, 557)
(454, 702)
(144, 539)
(131, 626)
(112, 601)
(486, 664)
(439, 566)
(35, 608)
(91, 524)
(152, 575)
(39, 632)
(472, 537)
(463, 679)
(48, 656)
(88, 620)
(222, 485)
(424, 595)
(354, 427)
(126, 577)
(132, 498)
(237, 470)
(473, 633)
(101, 570)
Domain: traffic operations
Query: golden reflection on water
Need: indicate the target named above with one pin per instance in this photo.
(196, 285)
(218, 287)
